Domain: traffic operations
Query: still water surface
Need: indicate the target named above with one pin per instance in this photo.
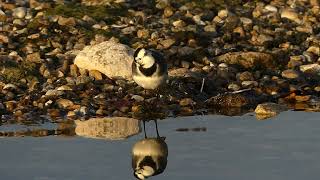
(230, 148)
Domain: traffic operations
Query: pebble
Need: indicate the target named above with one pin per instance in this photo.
(53, 93)
(19, 12)
(249, 84)
(3, 16)
(290, 74)
(271, 8)
(179, 23)
(167, 43)
(291, 15)
(143, 33)
(210, 28)
(168, 11)
(62, 21)
(246, 76)
(223, 13)
(95, 74)
(137, 98)
(4, 38)
(64, 103)
(270, 108)
(34, 57)
(234, 87)
(186, 102)
(310, 68)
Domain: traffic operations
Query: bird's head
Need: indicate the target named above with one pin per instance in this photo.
(144, 58)
(144, 172)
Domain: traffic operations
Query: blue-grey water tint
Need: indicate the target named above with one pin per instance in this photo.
(232, 148)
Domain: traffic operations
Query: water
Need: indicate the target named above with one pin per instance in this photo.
(231, 148)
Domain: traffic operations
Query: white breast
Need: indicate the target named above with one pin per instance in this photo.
(151, 82)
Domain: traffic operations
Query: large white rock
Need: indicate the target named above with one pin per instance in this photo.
(110, 58)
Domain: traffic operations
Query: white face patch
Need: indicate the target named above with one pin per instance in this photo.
(147, 171)
(145, 59)
(140, 176)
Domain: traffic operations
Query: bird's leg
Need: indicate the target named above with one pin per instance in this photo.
(144, 128)
(158, 136)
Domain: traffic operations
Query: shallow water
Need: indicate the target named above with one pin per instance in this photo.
(228, 148)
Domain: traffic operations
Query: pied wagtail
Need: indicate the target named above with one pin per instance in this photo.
(149, 69)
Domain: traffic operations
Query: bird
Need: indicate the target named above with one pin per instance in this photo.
(149, 156)
(149, 69)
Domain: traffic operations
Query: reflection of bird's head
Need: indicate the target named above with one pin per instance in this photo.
(144, 172)
(149, 157)
(144, 58)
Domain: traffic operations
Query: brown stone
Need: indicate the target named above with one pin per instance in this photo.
(248, 59)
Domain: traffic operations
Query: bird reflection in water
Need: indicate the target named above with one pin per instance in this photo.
(149, 155)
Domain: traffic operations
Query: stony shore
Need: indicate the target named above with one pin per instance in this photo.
(224, 57)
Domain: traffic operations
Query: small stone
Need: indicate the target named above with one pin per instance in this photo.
(83, 80)
(294, 61)
(249, 84)
(74, 70)
(290, 74)
(95, 74)
(137, 98)
(302, 98)
(310, 68)
(167, 43)
(246, 21)
(71, 114)
(64, 103)
(263, 38)
(124, 109)
(66, 21)
(54, 112)
(34, 36)
(185, 51)
(82, 111)
(34, 57)
(4, 39)
(168, 11)
(291, 15)
(234, 87)
(143, 33)
(64, 88)
(19, 22)
(239, 30)
(185, 64)
(246, 76)
(10, 105)
(223, 13)
(161, 4)
(3, 16)
(210, 28)
(19, 12)
(271, 8)
(317, 88)
(248, 59)
(54, 93)
(10, 87)
(186, 102)
(179, 23)
(270, 108)
(197, 20)
(129, 30)
(314, 50)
